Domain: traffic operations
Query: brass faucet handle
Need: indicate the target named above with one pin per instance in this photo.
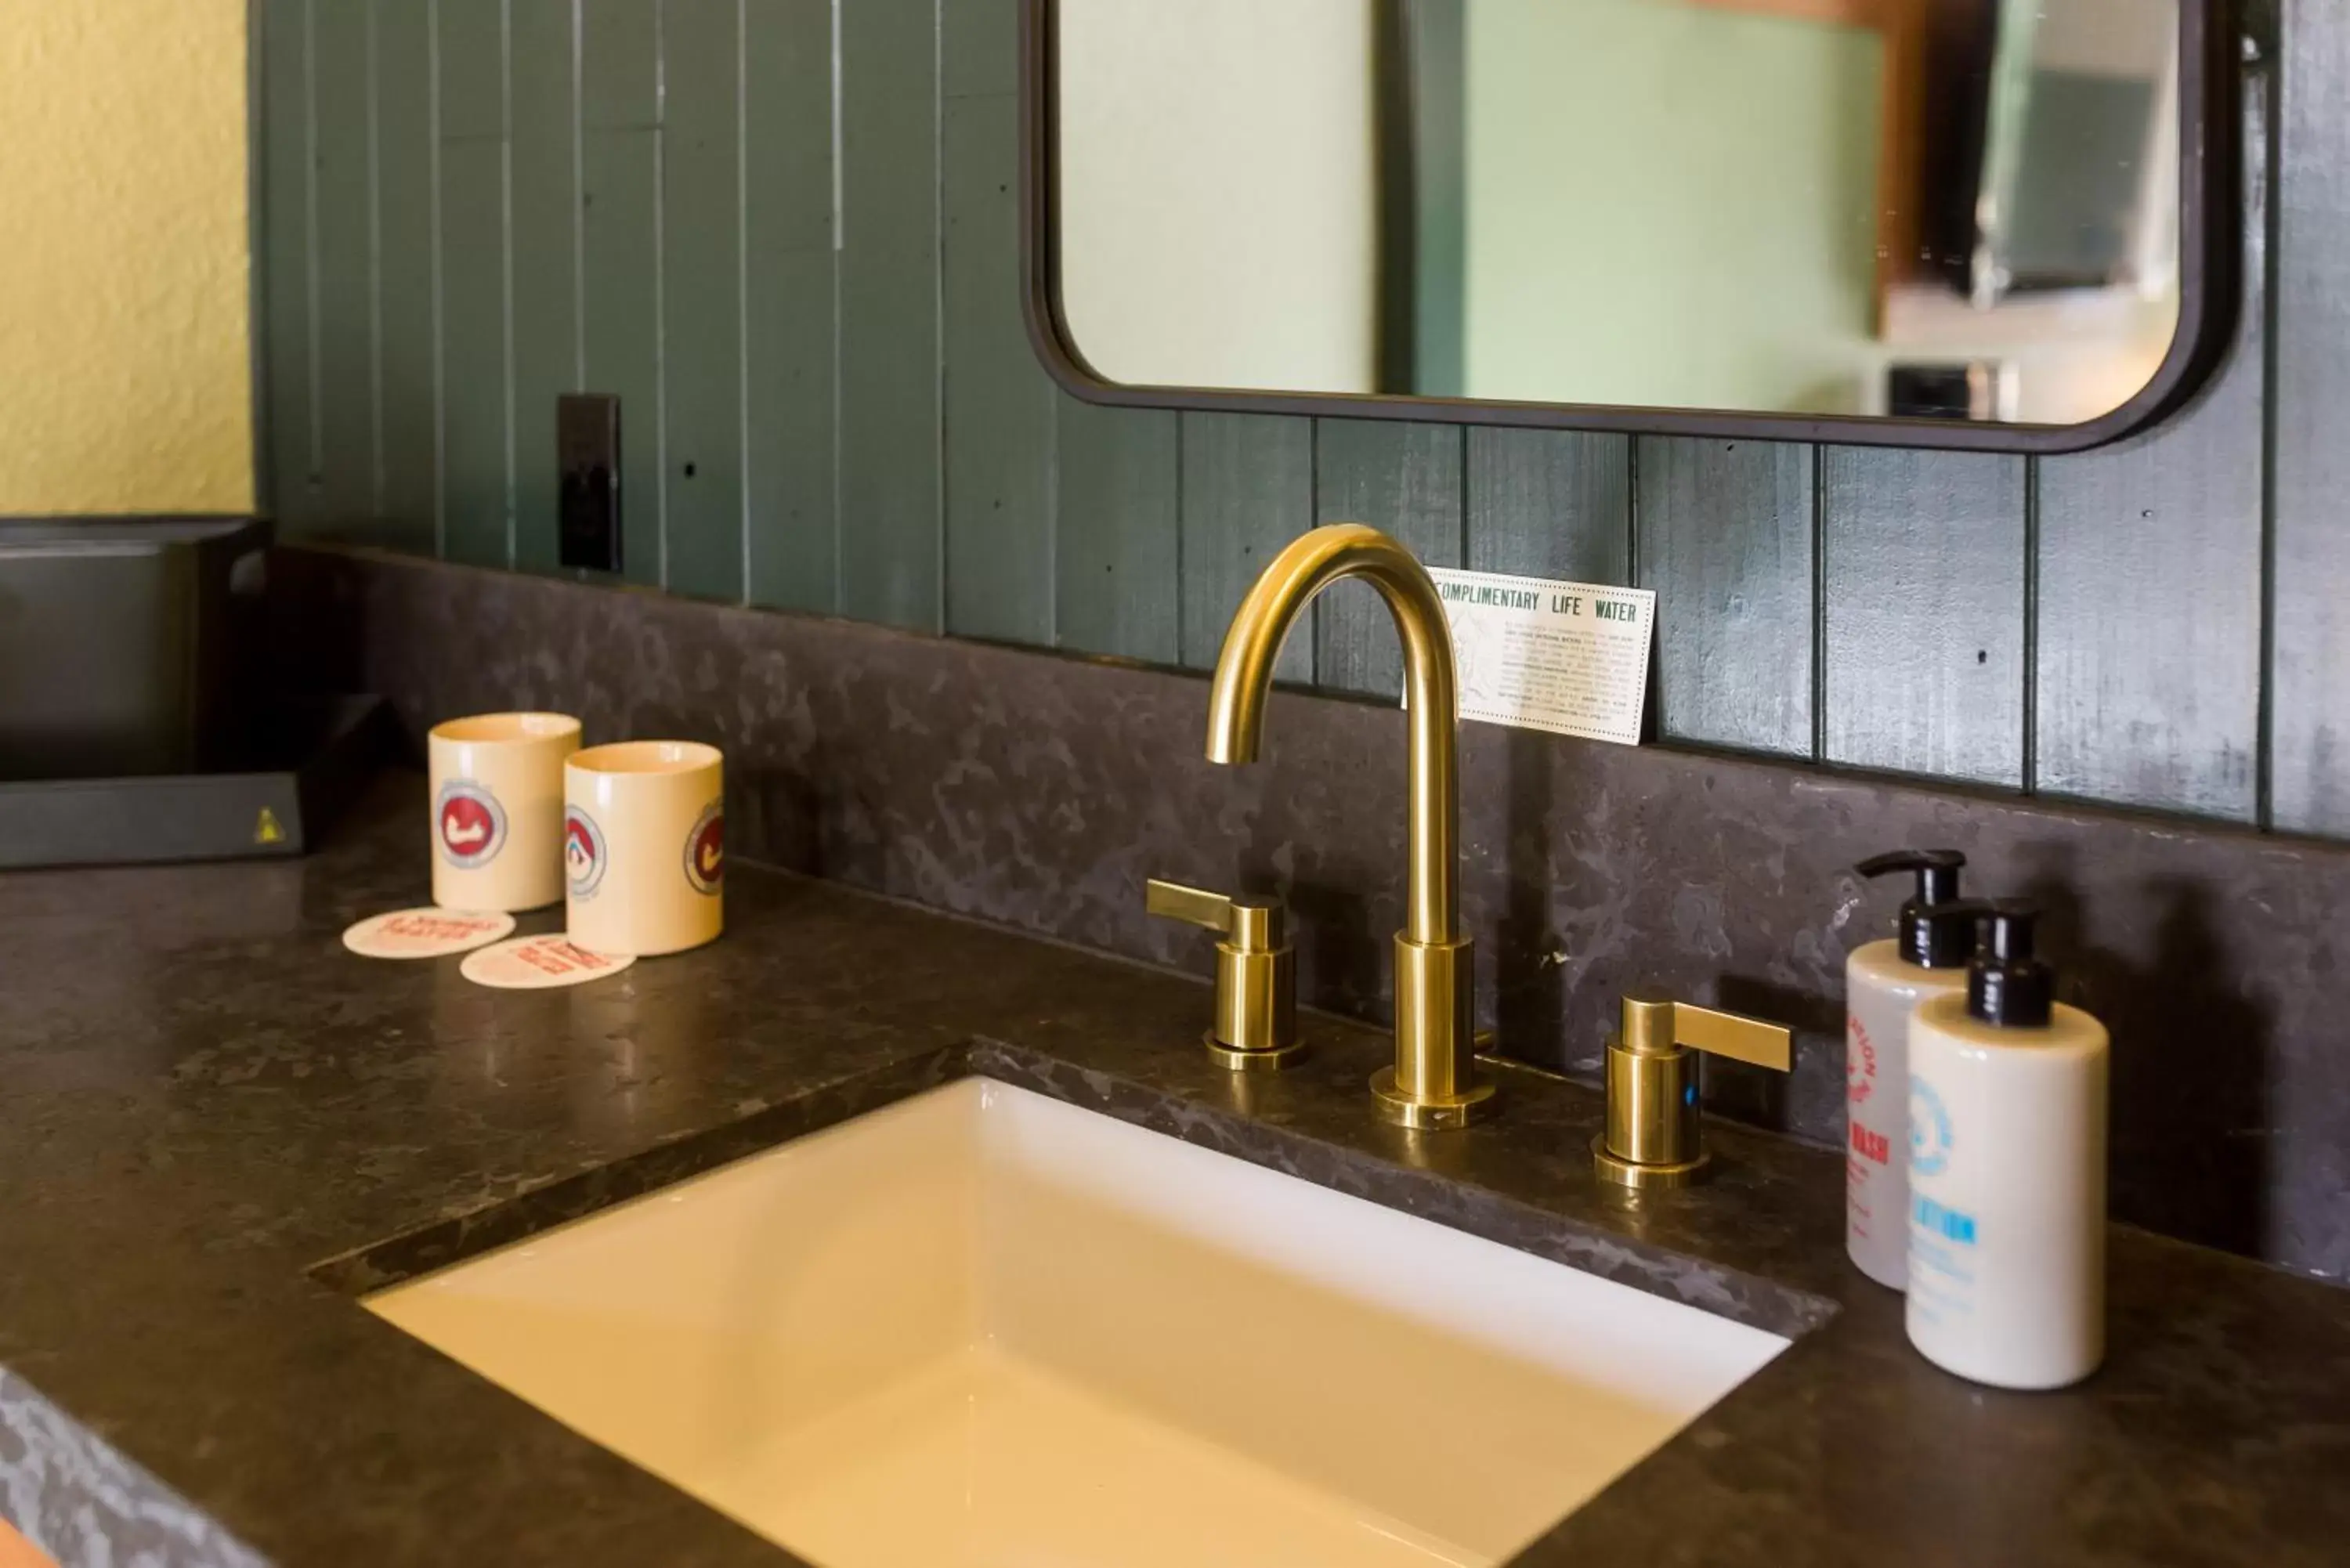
(1251, 925)
(1654, 1026)
(1736, 1036)
(1256, 973)
(1652, 1137)
(1192, 906)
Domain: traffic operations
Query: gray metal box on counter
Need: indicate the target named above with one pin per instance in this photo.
(305, 760)
(116, 644)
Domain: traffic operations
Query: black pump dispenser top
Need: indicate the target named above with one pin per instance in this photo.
(2007, 987)
(1938, 928)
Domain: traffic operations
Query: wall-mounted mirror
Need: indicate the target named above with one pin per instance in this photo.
(1955, 222)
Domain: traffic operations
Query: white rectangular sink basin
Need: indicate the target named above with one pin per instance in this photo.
(982, 1328)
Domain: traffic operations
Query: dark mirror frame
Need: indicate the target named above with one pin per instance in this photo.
(2208, 213)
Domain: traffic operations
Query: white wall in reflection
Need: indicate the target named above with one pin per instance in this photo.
(1218, 190)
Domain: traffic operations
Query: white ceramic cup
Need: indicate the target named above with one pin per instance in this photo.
(497, 810)
(644, 846)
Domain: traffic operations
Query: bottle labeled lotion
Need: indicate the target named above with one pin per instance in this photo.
(1884, 983)
(2007, 1172)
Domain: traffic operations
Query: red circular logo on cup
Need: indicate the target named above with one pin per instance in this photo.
(583, 852)
(468, 825)
(705, 849)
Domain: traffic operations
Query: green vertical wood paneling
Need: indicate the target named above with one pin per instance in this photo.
(1725, 532)
(285, 180)
(1549, 503)
(2310, 676)
(475, 484)
(344, 155)
(891, 480)
(788, 323)
(2148, 631)
(620, 64)
(999, 403)
(622, 256)
(471, 51)
(1404, 480)
(795, 508)
(407, 156)
(1922, 598)
(1118, 561)
(620, 112)
(473, 480)
(979, 47)
(1247, 490)
(546, 164)
(877, 390)
(702, 278)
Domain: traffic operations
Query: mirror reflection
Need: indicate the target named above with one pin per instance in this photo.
(1961, 209)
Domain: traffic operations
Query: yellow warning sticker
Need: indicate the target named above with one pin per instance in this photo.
(266, 829)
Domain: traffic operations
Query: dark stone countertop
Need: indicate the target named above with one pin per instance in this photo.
(215, 1126)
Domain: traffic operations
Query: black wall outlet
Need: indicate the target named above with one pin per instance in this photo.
(587, 447)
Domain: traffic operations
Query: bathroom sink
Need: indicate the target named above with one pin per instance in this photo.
(982, 1327)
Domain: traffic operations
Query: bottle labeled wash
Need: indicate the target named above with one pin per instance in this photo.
(2007, 1172)
(1884, 983)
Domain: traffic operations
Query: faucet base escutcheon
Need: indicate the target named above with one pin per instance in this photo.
(1426, 1114)
(1433, 1082)
(1233, 1059)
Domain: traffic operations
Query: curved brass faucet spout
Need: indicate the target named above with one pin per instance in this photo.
(1431, 1083)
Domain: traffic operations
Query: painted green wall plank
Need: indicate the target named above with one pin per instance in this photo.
(1923, 600)
(407, 147)
(2149, 601)
(788, 325)
(1549, 503)
(979, 47)
(476, 486)
(286, 251)
(794, 537)
(472, 56)
(1116, 565)
(346, 261)
(546, 161)
(999, 400)
(1403, 480)
(1248, 490)
(474, 492)
(1724, 530)
(701, 279)
(890, 481)
(620, 64)
(622, 299)
(2311, 631)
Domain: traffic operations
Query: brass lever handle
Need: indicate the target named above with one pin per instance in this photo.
(1251, 925)
(1256, 973)
(1653, 1024)
(1195, 906)
(1653, 1137)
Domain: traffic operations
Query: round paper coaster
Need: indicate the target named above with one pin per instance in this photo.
(424, 933)
(532, 963)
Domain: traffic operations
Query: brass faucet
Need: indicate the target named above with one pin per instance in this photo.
(1256, 974)
(1433, 1082)
(1653, 1137)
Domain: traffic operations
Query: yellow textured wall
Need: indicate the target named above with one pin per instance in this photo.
(125, 382)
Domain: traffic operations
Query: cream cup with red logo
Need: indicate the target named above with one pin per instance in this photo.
(644, 846)
(497, 810)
